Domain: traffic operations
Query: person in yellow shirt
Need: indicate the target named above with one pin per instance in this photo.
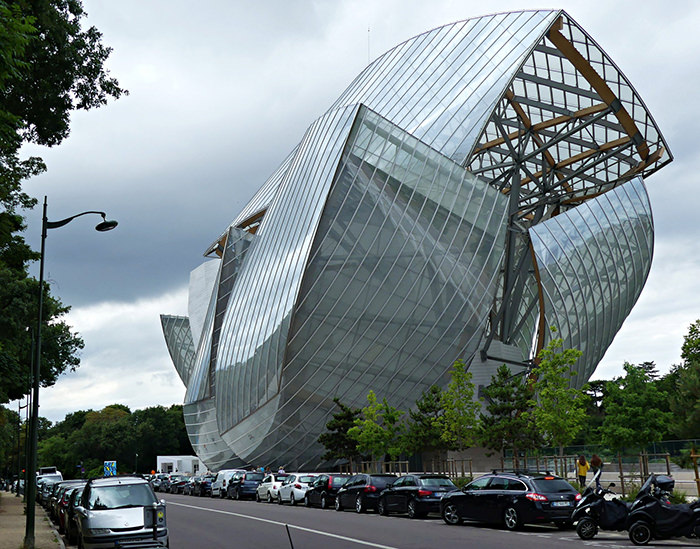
(582, 467)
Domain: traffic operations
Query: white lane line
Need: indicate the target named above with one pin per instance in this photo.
(327, 534)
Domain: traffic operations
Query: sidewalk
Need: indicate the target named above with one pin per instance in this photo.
(12, 525)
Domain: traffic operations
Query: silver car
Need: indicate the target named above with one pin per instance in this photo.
(120, 508)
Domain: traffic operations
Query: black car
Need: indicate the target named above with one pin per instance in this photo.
(323, 490)
(177, 483)
(244, 484)
(361, 492)
(416, 495)
(512, 499)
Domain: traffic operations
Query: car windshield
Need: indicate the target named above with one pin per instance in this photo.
(119, 497)
(552, 485)
(436, 483)
(279, 478)
(307, 478)
(254, 476)
(339, 481)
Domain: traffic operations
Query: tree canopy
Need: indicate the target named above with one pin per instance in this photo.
(50, 66)
(557, 408)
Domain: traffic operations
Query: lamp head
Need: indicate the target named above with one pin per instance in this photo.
(106, 224)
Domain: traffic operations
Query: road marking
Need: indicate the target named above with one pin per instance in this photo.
(310, 530)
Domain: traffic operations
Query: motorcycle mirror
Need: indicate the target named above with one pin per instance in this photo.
(611, 485)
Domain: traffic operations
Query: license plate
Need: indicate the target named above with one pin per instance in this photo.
(561, 504)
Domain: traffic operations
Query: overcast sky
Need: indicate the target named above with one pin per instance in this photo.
(220, 92)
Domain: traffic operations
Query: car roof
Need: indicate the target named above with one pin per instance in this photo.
(117, 481)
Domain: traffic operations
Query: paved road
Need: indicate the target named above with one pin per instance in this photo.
(211, 523)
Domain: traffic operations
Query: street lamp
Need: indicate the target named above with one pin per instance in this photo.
(30, 489)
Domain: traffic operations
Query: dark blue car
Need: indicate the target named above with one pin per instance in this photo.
(244, 484)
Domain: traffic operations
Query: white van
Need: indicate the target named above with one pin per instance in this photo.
(218, 485)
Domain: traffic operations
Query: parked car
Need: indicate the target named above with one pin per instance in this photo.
(188, 488)
(323, 489)
(218, 485)
(267, 490)
(512, 499)
(112, 509)
(71, 518)
(64, 505)
(361, 492)
(157, 481)
(416, 495)
(244, 484)
(294, 488)
(202, 487)
(57, 495)
(177, 483)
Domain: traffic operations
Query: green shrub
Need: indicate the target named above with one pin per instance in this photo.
(684, 460)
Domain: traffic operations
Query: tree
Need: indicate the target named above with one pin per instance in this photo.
(459, 420)
(378, 431)
(685, 398)
(507, 422)
(339, 445)
(49, 67)
(634, 415)
(557, 408)
(424, 424)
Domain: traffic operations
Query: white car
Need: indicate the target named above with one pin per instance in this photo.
(267, 491)
(294, 488)
(218, 485)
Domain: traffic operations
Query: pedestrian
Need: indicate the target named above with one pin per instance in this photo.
(280, 471)
(582, 467)
(597, 468)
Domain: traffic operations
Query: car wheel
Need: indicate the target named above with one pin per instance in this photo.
(269, 497)
(640, 533)
(413, 509)
(450, 514)
(279, 498)
(360, 504)
(586, 528)
(381, 508)
(511, 520)
(338, 506)
(292, 500)
(324, 501)
(236, 495)
(307, 501)
(257, 496)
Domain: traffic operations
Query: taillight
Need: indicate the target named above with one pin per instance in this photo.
(534, 496)
(370, 488)
(330, 483)
(243, 476)
(223, 483)
(578, 497)
(423, 493)
(297, 486)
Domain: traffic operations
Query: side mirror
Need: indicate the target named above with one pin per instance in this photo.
(81, 511)
(612, 485)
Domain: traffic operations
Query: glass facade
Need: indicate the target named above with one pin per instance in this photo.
(471, 187)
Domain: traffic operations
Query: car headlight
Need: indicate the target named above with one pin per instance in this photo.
(98, 531)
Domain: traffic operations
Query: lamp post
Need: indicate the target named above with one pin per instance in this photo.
(30, 488)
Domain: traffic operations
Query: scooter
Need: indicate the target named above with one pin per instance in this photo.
(652, 516)
(593, 511)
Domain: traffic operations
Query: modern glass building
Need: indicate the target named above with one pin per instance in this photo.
(471, 187)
